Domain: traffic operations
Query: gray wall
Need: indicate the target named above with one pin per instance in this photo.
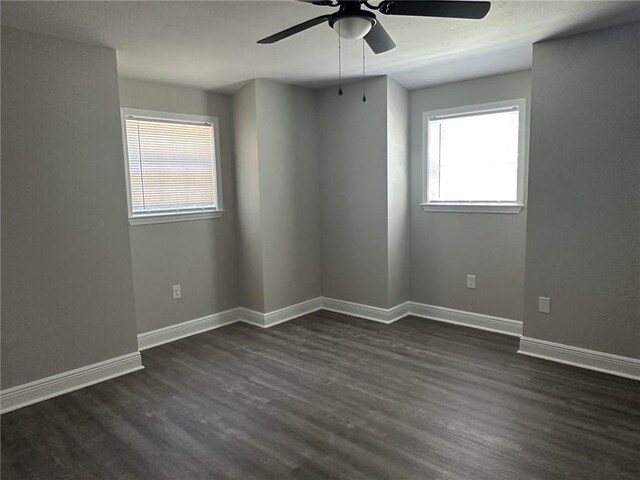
(445, 247)
(353, 146)
(278, 194)
(323, 198)
(398, 192)
(583, 227)
(67, 292)
(289, 189)
(200, 255)
(250, 236)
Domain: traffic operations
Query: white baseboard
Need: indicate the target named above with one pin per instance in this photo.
(581, 357)
(266, 320)
(377, 314)
(157, 337)
(480, 321)
(506, 326)
(49, 387)
(39, 390)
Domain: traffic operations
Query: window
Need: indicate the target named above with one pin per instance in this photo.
(474, 158)
(173, 172)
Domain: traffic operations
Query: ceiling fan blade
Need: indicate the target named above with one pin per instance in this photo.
(322, 3)
(295, 29)
(447, 9)
(378, 39)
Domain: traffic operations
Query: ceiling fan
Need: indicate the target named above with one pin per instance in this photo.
(352, 22)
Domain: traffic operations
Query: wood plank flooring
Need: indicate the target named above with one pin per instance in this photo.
(329, 396)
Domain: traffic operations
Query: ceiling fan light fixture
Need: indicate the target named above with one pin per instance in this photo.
(353, 27)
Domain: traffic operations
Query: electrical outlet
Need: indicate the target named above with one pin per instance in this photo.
(544, 304)
(471, 281)
(177, 291)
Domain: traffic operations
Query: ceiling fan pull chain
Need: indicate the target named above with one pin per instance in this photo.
(339, 62)
(364, 95)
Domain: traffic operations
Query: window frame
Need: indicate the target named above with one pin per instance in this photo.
(178, 216)
(478, 206)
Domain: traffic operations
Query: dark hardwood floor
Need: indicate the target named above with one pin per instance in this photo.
(329, 396)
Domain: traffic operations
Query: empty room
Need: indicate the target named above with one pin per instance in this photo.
(292, 239)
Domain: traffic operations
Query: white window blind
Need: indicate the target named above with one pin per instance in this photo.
(171, 166)
(473, 157)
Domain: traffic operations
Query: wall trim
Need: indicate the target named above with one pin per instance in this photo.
(368, 312)
(581, 357)
(266, 320)
(55, 385)
(471, 207)
(160, 336)
(505, 326)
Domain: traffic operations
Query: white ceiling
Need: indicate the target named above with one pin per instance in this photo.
(212, 45)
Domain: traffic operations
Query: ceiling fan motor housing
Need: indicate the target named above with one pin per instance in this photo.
(352, 26)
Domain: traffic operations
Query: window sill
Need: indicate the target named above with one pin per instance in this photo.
(513, 208)
(174, 217)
